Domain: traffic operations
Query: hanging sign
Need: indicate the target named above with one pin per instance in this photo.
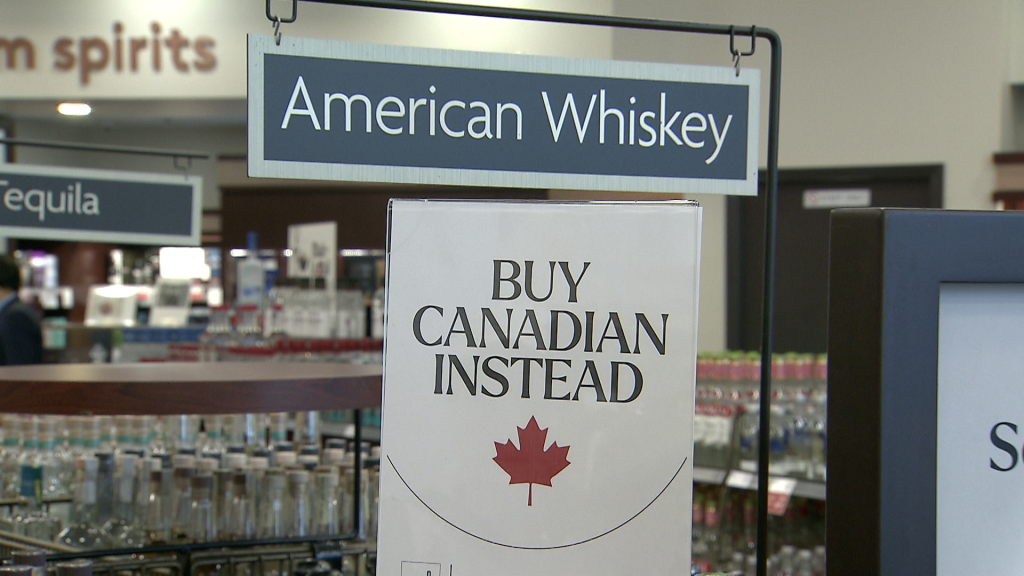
(363, 112)
(539, 388)
(51, 203)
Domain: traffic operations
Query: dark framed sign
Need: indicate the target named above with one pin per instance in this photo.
(926, 366)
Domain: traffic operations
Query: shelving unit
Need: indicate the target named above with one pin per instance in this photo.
(743, 480)
(198, 388)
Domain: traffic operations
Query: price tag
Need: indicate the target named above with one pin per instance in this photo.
(741, 480)
(780, 490)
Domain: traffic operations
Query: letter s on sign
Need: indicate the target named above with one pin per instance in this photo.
(1004, 446)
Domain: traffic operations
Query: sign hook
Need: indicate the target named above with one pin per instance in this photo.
(184, 167)
(737, 54)
(277, 20)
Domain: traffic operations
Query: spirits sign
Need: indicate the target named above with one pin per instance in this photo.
(346, 111)
(51, 203)
(538, 388)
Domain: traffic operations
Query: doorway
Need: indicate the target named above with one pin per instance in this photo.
(806, 197)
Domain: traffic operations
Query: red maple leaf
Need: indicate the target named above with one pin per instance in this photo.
(531, 463)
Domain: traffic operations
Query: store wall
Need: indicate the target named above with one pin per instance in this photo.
(864, 83)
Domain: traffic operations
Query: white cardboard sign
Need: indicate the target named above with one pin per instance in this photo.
(978, 478)
(539, 372)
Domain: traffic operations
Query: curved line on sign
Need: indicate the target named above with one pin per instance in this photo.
(482, 539)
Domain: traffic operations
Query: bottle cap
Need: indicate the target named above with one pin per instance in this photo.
(309, 449)
(208, 464)
(28, 557)
(285, 458)
(337, 443)
(232, 461)
(259, 463)
(183, 460)
(334, 456)
(298, 477)
(15, 570)
(74, 568)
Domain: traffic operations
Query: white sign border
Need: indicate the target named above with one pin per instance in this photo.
(31, 232)
(258, 166)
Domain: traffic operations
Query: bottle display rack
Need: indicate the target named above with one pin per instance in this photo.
(173, 389)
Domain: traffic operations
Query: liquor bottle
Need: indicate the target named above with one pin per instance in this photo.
(325, 506)
(698, 545)
(158, 512)
(278, 426)
(32, 520)
(222, 498)
(143, 476)
(10, 469)
(204, 527)
(84, 531)
(273, 523)
(298, 503)
(214, 444)
(371, 499)
(243, 506)
(104, 486)
(122, 528)
(181, 526)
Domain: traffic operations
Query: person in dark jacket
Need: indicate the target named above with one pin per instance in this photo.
(21, 339)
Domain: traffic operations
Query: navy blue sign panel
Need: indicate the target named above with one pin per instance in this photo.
(50, 203)
(362, 112)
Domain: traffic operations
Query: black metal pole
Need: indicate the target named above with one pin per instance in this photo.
(771, 205)
(771, 192)
(357, 463)
(107, 148)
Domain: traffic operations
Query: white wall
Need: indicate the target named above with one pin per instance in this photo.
(872, 82)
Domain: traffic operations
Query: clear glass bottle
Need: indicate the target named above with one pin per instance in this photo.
(372, 494)
(204, 525)
(91, 434)
(10, 469)
(325, 504)
(122, 528)
(278, 426)
(104, 487)
(180, 432)
(106, 433)
(31, 520)
(143, 476)
(84, 531)
(243, 506)
(298, 503)
(182, 500)
(158, 510)
(213, 447)
(273, 522)
(222, 497)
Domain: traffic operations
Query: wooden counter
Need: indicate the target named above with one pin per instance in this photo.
(188, 387)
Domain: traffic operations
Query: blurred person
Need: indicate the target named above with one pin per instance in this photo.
(21, 338)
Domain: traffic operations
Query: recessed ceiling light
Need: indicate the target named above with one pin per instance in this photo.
(74, 108)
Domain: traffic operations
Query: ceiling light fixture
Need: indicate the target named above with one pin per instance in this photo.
(74, 108)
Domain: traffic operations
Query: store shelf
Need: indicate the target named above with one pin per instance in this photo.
(748, 481)
(348, 430)
(704, 475)
(188, 388)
